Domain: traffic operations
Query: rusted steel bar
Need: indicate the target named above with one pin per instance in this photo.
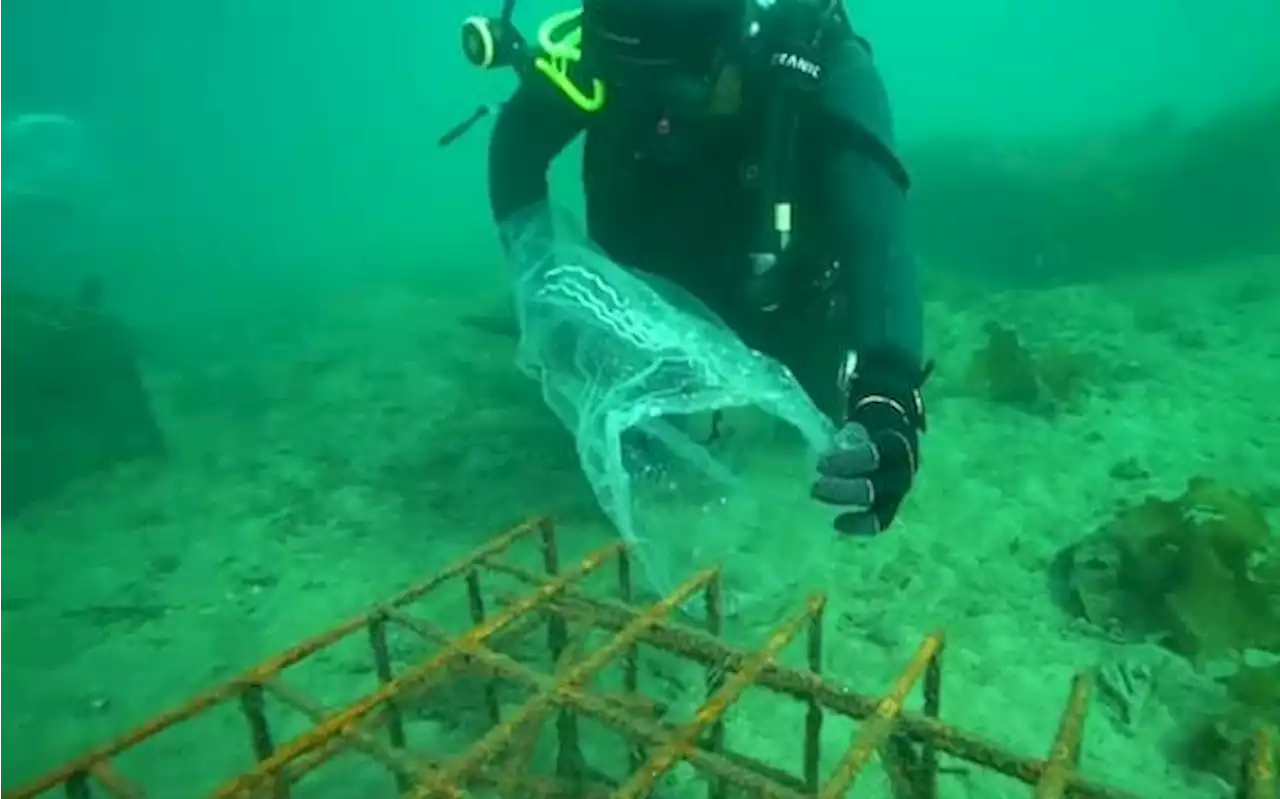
(750, 776)
(570, 765)
(116, 786)
(909, 777)
(812, 765)
(475, 606)
(713, 601)
(501, 544)
(407, 769)
(802, 684)
(927, 775)
(557, 629)
(492, 744)
(520, 752)
(412, 769)
(1066, 745)
(902, 766)
(254, 709)
(878, 728)
(377, 629)
(143, 732)
(908, 743)
(255, 713)
(255, 780)
(629, 703)
(77, 786)
(263, 671)
(642, 782)
(631, 659)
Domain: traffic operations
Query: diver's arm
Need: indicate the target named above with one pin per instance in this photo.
(865, 193)
(533, 127)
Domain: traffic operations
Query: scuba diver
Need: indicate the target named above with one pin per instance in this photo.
(742, 149)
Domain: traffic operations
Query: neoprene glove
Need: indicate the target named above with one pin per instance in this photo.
(873, 461)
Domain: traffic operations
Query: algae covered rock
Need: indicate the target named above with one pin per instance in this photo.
(1045, 383)
(1198, 573)
(74, 401)
(1252, 702)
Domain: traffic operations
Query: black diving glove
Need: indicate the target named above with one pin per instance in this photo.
(873, 462)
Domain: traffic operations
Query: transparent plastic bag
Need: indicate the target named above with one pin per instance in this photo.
(635, 368)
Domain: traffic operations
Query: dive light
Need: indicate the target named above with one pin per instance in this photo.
(488, 43)
(494, 43)
(491, 42)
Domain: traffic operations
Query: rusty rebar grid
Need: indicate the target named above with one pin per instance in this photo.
(908, 744)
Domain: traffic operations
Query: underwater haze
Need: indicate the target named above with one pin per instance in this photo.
(260, 374)
(257, 143)
(1011, 69)
(280, 143)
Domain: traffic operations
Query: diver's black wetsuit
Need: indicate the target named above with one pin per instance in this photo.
(679, 204)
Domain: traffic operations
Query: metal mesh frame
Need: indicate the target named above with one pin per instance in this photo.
(908, 744)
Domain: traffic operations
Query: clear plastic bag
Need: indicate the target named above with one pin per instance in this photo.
(634, 368)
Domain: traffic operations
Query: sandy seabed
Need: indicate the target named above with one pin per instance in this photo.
(388, 434)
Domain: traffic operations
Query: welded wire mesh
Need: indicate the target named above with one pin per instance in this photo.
(563, 693)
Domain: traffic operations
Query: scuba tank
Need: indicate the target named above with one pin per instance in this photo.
(786, 40)
(792, 36)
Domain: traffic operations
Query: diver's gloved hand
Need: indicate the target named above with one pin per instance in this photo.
(873, 461)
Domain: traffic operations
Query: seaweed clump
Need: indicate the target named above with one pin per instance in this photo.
(1253, 701)
(1200, 576)
(1005, 371)
(1195, 573)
